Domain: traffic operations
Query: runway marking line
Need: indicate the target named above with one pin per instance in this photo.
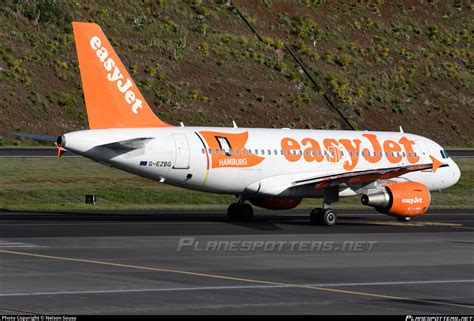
(232, 278)
(464, 227)
(230, 287)
(410, 224)
(21, 311)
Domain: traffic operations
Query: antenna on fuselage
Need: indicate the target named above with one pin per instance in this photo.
(234, 124)
(401, 130)
(181, 124)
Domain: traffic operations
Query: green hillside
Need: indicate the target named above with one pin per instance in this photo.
(379, 64)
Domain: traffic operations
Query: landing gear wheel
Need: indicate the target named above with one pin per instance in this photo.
(405, 219)
(315, 216)
(237, 212)
(329, 217)
(247, 212)
(321, 216)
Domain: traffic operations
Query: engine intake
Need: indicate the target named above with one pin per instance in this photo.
(400, 199)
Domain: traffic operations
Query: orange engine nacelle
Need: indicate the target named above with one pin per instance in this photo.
(400, 199)
(275, 203)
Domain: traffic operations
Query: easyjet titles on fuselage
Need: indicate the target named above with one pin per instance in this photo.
(310, 149)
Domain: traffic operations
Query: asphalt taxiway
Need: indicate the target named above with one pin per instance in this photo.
(122, 263)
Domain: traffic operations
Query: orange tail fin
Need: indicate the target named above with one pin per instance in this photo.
(112, 98)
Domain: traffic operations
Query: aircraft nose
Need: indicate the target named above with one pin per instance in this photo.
(456, 172)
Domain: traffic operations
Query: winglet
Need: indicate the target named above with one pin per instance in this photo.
(436, 163)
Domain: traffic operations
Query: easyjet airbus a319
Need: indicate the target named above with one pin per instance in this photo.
(393, 172)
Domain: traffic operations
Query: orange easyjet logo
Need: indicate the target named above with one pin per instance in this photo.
(228, 150)
(311, 150)
(115, 74)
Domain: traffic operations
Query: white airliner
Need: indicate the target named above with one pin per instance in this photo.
(393, 172)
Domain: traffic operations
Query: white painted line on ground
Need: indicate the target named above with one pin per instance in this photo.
(236, 287)
(10, 245)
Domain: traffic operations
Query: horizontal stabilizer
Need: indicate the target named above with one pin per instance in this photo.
(36, 137)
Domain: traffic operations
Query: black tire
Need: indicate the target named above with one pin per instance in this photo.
(236, 212)
(247, 212)
(329, 217)
(233, 211)
(404, 219)
(315, 216)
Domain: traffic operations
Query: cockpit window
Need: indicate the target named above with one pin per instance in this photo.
(444, 154)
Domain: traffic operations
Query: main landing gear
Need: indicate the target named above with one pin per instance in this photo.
(240, 212)
(326, 216)
(320, 216)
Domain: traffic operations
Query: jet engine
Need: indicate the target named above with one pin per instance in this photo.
(275, 203)
(405, 199)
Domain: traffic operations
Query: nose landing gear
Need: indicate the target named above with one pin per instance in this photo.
(405, 219)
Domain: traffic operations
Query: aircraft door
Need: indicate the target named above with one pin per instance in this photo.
(181, 152)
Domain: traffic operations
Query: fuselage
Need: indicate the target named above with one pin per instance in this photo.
(230, 160)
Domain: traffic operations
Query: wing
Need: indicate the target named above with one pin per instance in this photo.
(364, 175)
(279, 185)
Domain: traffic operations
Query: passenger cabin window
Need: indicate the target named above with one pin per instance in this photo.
(210, 151)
